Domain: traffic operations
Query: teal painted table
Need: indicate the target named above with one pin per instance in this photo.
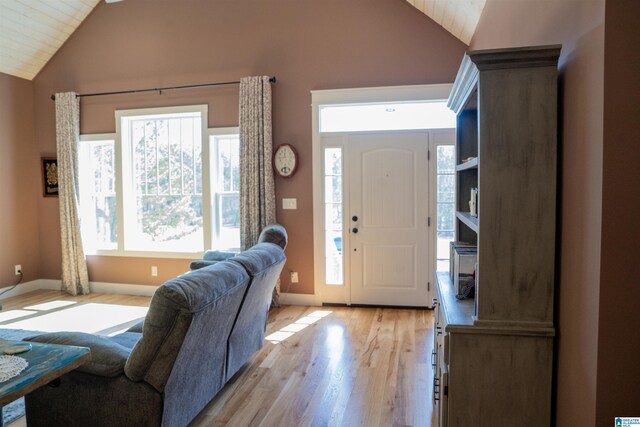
(46, 363)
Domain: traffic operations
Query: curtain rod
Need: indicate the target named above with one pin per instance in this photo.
(160, 89)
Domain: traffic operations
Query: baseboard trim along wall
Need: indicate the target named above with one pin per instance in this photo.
(297, 299)
(131, 289)
(26, 287)
(98, 287)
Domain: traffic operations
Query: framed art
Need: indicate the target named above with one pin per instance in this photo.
(49, 176)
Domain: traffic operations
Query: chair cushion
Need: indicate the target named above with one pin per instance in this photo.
(259, 258)
(127, 339)
(107, 357)
(137, 327)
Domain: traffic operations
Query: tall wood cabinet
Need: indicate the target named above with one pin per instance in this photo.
(492, 355)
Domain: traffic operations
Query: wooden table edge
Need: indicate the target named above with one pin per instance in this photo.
(46, 379)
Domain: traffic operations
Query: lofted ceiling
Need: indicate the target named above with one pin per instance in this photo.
(459, 17)
(32, 31)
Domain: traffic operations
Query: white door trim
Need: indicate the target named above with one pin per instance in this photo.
(350, 96)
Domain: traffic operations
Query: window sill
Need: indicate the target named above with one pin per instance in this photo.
(145, 254)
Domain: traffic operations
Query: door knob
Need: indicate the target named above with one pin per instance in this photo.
(355, 230)
(354, 218)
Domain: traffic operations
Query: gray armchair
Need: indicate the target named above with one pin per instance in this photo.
(200, 329)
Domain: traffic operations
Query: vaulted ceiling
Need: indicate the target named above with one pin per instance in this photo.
(32, 31)
(459, 17)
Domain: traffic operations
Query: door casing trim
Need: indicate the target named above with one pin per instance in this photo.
(412, 93)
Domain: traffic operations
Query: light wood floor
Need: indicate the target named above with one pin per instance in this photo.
(321, 366)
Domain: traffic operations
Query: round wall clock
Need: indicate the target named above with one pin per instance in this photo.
(285, 160)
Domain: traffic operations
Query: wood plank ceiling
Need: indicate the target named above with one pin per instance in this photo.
(459, 17)
(32, 31)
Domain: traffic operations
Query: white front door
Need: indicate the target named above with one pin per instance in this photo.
(387, 218)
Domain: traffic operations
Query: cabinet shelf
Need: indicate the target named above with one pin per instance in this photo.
(455, 312)
(507, 329)
(471, 164)
(468, 220)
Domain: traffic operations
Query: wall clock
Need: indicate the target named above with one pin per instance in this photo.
(285, 160)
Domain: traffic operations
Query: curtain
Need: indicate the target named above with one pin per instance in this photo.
(257, 187)
(75, 279)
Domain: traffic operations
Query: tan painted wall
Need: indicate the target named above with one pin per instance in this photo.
(20, 178)
(579, 26)
(619, 320)
(306, 44)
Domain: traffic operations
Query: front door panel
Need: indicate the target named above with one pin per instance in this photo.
(388, 175)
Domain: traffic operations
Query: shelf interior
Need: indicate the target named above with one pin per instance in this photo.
(471, 164)
(468, 220)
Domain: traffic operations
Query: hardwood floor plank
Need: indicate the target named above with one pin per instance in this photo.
(324, 366)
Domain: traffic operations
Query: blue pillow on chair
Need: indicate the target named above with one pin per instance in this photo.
(218, 255)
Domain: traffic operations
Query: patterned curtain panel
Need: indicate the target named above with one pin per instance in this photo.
(75, 279)
(257, 187)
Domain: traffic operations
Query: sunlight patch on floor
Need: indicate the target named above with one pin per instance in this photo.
(14, 314)
(292, 328)
(91, 318)
(51, 305)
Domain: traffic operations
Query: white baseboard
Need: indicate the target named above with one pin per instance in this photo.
(33, 285)
(297, 299)
(122, 289)
(131, 289)
(98, 287)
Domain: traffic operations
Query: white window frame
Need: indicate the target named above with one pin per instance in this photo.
(372, 95)
(101, 137)
(206, 180)
(212, 135)
(441, 137)
(206, 190)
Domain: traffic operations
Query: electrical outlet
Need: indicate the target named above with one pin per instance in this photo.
(294, 277)
(154, 270)
(18, 269)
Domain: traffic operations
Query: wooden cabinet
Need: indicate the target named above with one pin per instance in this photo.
(493, 357)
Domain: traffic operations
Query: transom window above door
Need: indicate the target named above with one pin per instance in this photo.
(386, 117)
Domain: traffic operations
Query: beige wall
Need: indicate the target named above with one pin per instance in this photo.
(20, 178)
(619, 319)
(306, 44)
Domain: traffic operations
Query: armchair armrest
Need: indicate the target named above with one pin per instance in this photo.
(107, 357)
(274, 233)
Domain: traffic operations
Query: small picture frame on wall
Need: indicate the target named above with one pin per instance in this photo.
(49, 176)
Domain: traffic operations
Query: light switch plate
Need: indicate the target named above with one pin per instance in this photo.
(289, 203)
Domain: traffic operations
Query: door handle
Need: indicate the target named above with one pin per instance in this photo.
(354, 218)
(354, 230)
